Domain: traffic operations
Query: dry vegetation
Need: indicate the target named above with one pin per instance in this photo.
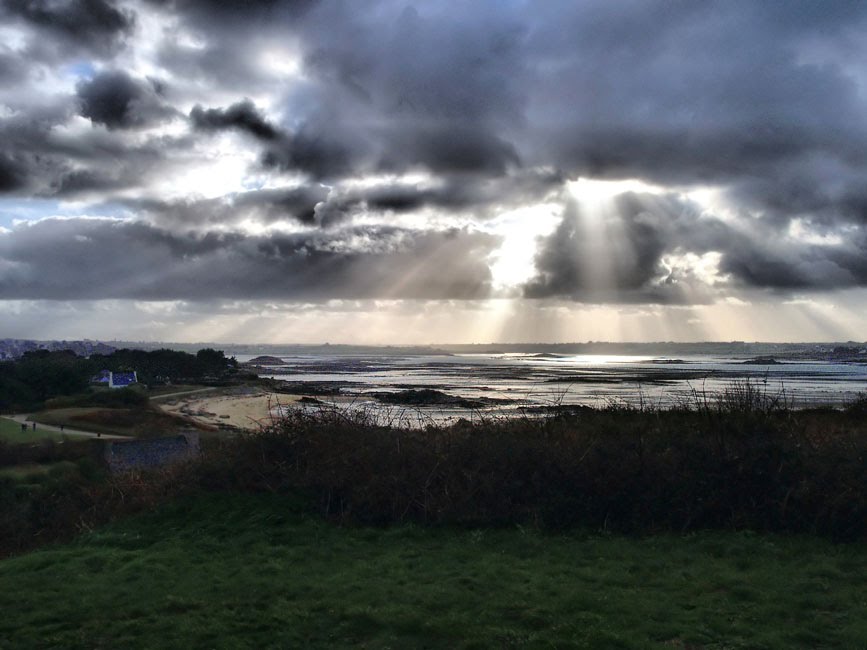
(147, 422)
(743, 462)
(735, 464)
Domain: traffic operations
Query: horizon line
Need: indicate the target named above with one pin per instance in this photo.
(440, 344)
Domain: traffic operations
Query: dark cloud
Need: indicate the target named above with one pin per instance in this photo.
(717, 95)
(118, 101)
(82, 181)
(626, 255)
(322, 155)
(391, 91)
(234, 13)
(478, 198)
(586, 88)
(27, 163)
(297, 203)
(50, 162)
(319, 156)
(88, 259)
(438, 65)
(787, 266)
(821, 190)
(762, 101)
(11, 177)
(228, 33)
(448, 149)
(261, 206)
(94, 25)
(12, 68)
(613, 258)
(242, 116)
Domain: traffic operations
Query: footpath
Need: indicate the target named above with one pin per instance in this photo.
(24, 418)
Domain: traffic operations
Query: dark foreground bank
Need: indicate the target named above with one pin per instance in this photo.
(256, 571)
(740, 465)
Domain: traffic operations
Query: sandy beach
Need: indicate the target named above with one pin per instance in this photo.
(242, 411)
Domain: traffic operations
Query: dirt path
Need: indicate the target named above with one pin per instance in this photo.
(24, 418)
(182, 393)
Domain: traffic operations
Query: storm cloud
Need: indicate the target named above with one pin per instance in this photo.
(10, 174)
(118, 101)
(649, 249)
(96, 26)
(242, 116)
(73, 259)
(311, 150)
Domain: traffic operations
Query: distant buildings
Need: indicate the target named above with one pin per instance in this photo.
(15, 348)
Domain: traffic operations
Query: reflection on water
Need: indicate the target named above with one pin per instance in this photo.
(509, 384)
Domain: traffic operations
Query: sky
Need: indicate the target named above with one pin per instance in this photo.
(395, 172)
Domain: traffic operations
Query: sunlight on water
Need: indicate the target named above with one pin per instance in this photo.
(516, 384)
(599, 359)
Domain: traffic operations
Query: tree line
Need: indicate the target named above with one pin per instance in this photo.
(26, 383)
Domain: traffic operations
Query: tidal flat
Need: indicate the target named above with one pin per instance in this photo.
(509, 384)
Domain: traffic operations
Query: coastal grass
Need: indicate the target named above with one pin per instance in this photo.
(257, 571)
(139, 422)
(27, 472)
(613, 470)
(10, 432)
(159, 392)
(742, 465)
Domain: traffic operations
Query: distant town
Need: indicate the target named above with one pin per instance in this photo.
(852, 351)
(15, 348)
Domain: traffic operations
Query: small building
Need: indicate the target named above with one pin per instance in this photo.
(122, 379)
(115, 379)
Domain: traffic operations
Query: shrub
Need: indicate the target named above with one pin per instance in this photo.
(738, 465)
(108, 398)
(745, 464)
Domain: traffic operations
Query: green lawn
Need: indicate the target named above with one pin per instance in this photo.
(156, 392)
(10, 431)
(244, 571)
(78, 418)
(30, 471)
(146, 422)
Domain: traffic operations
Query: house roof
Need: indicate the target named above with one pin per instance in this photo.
(123, 378)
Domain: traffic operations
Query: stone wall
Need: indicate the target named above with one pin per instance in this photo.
(125, 455)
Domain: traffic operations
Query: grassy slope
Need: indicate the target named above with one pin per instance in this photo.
(156, 392)
(10, 431)
(29, 471)
(139, 422)
(242, 571)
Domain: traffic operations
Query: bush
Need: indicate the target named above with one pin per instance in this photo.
(733, 466)
(625, 469)
(44, 451)
(108, 398)
(76, 496)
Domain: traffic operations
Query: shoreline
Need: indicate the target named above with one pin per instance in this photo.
(246, 411)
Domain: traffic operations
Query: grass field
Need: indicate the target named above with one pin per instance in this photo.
(244, 571)
(10, 431)
(30, 471)
(138, 422)
(156, 392)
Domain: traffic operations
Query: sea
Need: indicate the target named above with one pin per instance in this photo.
(446, 387)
